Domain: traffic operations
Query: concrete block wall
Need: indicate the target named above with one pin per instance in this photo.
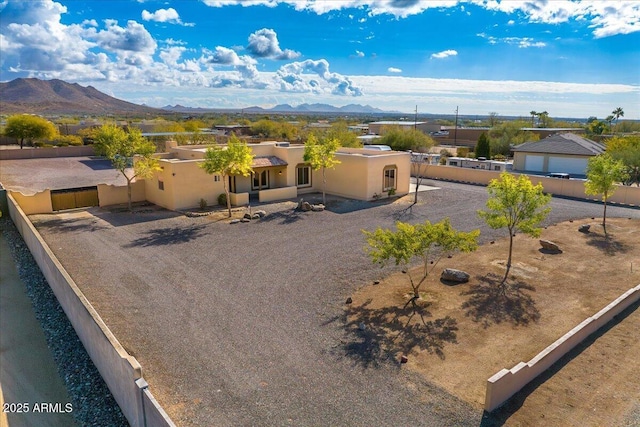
(507, 382)
(118, 369)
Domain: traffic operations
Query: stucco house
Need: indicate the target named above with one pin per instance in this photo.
(565, 152)
(280, 172)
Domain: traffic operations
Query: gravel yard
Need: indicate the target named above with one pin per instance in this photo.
(244, 324)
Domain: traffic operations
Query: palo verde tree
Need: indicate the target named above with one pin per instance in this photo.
(29, 127)
(517, 205)
(406, 139)
(234, 159)
(627, 149)
(428, 242)
(321, 155)
(129, 152)
(603, 173)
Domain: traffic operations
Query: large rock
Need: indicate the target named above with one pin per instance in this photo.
(584, 228)
(305, 206)
(317, 208)
(453, 275)
(261, 213)
(549, 246)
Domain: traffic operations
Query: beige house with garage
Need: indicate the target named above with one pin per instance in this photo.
(559, 153)
(279, 173)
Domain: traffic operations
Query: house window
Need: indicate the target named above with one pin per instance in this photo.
(303, 176)
(161, 185)
(497, 168)
(453, 163)
(260, 180)
(389, 178)
(216, 178)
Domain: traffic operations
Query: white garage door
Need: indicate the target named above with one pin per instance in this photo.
(568, 165)
(533, 163)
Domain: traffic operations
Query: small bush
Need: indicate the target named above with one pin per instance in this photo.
(391, 192)
(463, 151)
(222, 199)
(203, 204)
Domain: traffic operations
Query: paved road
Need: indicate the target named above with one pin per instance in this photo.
(28, 374)
(243, 324)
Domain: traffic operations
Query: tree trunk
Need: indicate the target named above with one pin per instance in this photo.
(506, 274)
(129, 195)
(226, 192)
(604, 216)
(324, 185)
(21, 142)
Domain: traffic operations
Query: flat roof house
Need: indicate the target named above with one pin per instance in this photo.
(280, 172)
(565, 153)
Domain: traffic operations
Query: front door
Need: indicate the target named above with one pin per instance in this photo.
(260, 180)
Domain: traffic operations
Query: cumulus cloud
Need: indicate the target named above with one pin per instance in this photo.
(264, 44)
(444, 54)
(314, 76)
(607, 18)
(164, 15)
(394, 70)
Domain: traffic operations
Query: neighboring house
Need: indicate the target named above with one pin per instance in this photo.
(279, 173)
(490, 165)
(566, 152)
(379, 128)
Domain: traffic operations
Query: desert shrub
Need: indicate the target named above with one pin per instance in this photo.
(222, 199)
(203, 204)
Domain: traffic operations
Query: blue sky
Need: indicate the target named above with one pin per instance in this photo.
(570, 58)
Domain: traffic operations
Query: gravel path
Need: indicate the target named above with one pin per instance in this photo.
(244, 324)
(93, 404)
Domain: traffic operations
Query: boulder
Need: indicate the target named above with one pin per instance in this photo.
(549, 246)
(453, 275)
(261, 213)
(305, 206)
(255, 216)
(245, 220)
(247, 216)
(234, 221)
(317, 208)
(584, 228)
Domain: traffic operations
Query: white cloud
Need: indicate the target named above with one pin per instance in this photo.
(511, 22)
(359, 54)
(444, 54)
(607, 18)
(164, 15)
(301, 77)
(521, 42)
(394, 70)
(264, 44)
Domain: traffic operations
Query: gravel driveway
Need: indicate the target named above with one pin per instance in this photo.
(244, 325)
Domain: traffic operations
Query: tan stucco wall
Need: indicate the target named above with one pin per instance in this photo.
(118, 369)
(277, 194)
(34, 204)
(38, 153)
(116, 195)
(507, 382)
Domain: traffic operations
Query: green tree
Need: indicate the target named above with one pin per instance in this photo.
(508, 134)
(29, 127)
(518, 205)
(603, 173)
(321, 154)
(234, 159)
(533, 113)
(596, 127)
(129, 152)
(545, 120)
(627, 150)
(609, 120)
(483, 147)
(406, 139)
(340, 131)
(427, 242)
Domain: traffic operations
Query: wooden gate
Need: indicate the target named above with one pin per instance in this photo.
(73, 198)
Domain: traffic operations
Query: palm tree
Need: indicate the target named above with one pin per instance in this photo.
(609, 119)
(617, 113)
(533, 113)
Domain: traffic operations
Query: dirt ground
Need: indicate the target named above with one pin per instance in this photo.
(460, 335)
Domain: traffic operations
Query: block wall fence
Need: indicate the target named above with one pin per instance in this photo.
(121, 372)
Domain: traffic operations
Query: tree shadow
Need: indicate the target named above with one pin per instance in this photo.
(168, 236)
(285, 217)
(375, 335)
(489, 302)
(70, 225)
(606, 243)
(500, 416)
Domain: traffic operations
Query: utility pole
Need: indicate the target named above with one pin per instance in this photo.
(455, 129)
(415, 120)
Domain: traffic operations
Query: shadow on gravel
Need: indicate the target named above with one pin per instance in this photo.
(70, 225)
(119, 216)
(375, 335)
(491, 303)
(501, 415)
(168, 236)
(98, 164)
(286, 217)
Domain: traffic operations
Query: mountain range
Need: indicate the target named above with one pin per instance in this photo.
(59, 97)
